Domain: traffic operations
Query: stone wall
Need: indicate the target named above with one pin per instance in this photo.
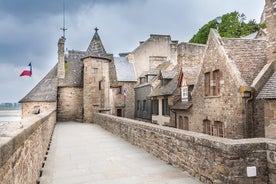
(190, 54)
(211, 159)
(30, 109)
(270, 119)
(70, 104)
(22, 149)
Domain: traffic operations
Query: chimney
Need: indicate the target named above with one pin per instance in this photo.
(61, 67)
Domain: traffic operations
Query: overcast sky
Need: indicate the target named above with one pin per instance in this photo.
(30, 30)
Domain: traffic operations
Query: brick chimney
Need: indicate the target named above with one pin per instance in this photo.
(61, 67)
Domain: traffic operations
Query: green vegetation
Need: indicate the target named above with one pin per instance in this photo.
(233, 25)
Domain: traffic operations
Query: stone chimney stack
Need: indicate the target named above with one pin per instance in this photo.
(61, 60)
(270, 20)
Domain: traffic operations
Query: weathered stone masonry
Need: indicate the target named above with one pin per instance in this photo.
(22, 150)
(211, 159)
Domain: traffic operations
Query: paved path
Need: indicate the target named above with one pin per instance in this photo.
(85, 153)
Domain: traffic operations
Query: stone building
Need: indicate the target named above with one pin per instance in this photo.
(122, 83)
(222, 103)
(163, 96)
(80, 84)
(266, 99)
(152, 52)
(147, 82)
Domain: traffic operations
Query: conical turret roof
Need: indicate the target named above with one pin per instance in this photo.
(96, 48)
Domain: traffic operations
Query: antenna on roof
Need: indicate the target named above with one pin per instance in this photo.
(63, 28)
(218, 21)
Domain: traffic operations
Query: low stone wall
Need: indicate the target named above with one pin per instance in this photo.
(22, 148)
(212, 160)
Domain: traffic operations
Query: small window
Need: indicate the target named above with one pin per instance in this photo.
(184, 94)
(207, 83)
(94, 70)
(100, 85)
(119, 112)
(218, 129)
(207, 127)
(120, 90)
(138, 105)
(155, 107)
(165, 107)
(216, 81)
(144, 105)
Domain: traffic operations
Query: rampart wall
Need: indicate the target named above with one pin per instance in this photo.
(22, 148)
(213, 160)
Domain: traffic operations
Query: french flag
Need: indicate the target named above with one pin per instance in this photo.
(27, 71)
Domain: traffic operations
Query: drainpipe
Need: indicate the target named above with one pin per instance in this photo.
(250, 98)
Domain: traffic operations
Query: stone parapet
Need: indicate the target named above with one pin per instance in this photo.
(211, 159)
(23, 146)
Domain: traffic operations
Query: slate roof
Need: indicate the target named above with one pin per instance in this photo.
(73, 69)
(167, 74)
(182, 106)
(124, 70)
(248, 55)
(269, 89)
(96, 48)
(167, 89)
(45, 90)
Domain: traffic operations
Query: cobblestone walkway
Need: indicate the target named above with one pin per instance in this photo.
(85, 154)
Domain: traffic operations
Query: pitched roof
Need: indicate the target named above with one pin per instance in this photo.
(167, 89)
(124, 70)
(182, 106)
(167, 74)
(190, 74)
(248, 55)
(73, 69)
(96, 48)
(45, 90)
(269, 89)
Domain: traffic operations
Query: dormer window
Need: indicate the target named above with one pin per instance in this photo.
(184, 94)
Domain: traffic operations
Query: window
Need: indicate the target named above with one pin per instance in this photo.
(155, 107)
(207, 83)
(212, 87)
(165, 107)
(216, 80)
(100, 85)
(120, 90)
(180, 122)
(183, 123)
(207, 127)
(119, 112)
(218, 129)
(138, 105)
(186, 123)
(94, 70)
(184, 94)
(144, 105)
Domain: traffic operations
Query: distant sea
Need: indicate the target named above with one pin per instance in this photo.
(10, 115)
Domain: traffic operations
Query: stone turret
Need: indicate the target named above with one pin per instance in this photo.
(61, 67)
(95, 79)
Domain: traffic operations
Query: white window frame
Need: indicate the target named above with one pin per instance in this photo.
(184, 94)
